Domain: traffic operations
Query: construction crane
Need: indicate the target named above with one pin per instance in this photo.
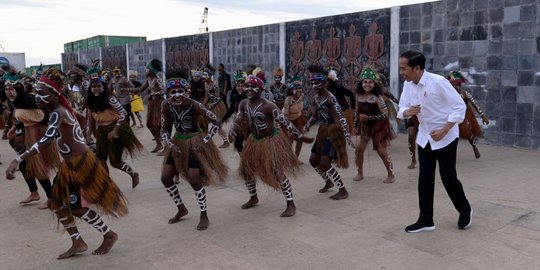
(204, 22)
(2, 48)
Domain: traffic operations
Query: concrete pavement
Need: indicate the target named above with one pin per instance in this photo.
(363, 232)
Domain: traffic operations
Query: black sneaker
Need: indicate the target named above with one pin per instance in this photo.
(417, 227)
(465, 220)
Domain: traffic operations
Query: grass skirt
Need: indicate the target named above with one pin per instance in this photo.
(219, 109)
(114, 149)
(212, 164)
(266, 158)
(44, 164)
(378, 131)
(334, 132)
(153, 118)
(470, 128)
(96, 186)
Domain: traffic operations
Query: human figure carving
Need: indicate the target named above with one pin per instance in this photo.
(374, 47)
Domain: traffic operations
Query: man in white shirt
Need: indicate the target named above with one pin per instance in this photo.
(439, 109)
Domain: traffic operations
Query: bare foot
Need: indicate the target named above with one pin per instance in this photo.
(42, 206)
(78, 246)
(156, 149)
(135, 180)
(251, 203)
(108, 242)
(390, 179)
(328, 185)
(412, 166)
(289, 211)
(340, 195)
(162, 153)
(141, 126)
(203, 222)
(182, 211)
(358, 177)
(30, 198)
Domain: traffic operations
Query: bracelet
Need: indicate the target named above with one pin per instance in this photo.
(18, 159)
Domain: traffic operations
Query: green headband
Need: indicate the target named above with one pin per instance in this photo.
(369, 73)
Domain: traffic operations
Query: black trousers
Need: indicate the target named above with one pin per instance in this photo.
(446, 157)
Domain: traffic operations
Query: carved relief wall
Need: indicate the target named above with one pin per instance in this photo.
(188, 52)
(345, 43)
(114, 56)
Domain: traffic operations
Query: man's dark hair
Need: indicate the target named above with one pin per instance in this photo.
(415, 58)
(222, 66)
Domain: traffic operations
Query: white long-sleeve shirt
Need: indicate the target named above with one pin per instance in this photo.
(439, 103)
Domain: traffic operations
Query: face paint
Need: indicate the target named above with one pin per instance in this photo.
(11, 92)
(176, 96)
(252, 91)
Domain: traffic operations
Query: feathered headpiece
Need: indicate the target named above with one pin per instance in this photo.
(116, 68)
(155, 66)
(12, 78)
(332, 75)
(78, 70)
(53, 79)
(196, 73)
(209, 70)
(259, 73)
(278, 72)
(252, 79)
(295, 81)
(456, 77)
(240, 76)
(316, 73)
(176, 79)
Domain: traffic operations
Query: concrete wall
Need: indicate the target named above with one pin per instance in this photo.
(238, 48)
(495, 43)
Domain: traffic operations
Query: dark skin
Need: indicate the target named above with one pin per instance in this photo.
(168, 172)
(320, 161)
(97, 89)
(71, 144)
(262, 127)
(368, 86)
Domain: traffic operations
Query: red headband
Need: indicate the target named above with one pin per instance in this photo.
(252, 79)
(50, 83)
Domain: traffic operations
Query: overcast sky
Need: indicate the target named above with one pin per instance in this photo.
(39, 28)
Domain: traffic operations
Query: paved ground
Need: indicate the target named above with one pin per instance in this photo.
(362, 232)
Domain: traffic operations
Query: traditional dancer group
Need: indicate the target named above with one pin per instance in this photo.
(51, 128)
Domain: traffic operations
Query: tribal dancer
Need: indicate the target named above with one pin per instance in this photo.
(371, 122)
(267, 153)
(332, 136)
(341, 94)
(213, 102)
(278, 89)
(78, 86)
(113, 134)
(237, 95)
(81, 179)
(156, 96)
(293, 109)
(30, 126)
(469, 129)
(191, 152)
